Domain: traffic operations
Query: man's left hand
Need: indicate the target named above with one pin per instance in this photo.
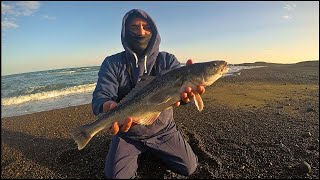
(189, 92)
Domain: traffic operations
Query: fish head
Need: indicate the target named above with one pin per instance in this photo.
(207, 73)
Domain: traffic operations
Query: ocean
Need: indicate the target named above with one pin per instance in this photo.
(32, 92)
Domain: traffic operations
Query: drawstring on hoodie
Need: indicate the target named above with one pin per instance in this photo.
(136, 57)
(145, 64)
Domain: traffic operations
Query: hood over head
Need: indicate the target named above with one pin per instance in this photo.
(147, 59)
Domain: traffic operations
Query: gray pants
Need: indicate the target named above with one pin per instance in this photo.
(172, 149)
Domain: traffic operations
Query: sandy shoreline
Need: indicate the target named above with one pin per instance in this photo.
(261, 124)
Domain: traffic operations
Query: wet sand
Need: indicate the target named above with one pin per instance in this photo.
(261, 124)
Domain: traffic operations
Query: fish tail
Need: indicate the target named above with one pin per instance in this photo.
(81, 136)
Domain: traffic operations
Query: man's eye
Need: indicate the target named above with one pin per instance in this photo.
(133, 28)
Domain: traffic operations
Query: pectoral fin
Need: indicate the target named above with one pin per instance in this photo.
(148, 119)
(198, 101)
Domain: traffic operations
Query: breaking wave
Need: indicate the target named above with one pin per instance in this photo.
(48, 94)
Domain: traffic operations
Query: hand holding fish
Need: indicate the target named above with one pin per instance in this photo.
(189, 92)
(114, 129)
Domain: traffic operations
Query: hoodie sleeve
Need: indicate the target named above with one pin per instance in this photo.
(173, 62)
(106, 88)
(167, 62)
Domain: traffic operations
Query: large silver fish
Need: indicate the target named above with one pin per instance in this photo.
(146, 103)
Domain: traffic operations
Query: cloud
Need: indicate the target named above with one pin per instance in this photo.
(6, 9)
(26, 8)
(8, 24)
(290, 6)
(48, 17)
(286, 17)
(16, 9)
(20, 8)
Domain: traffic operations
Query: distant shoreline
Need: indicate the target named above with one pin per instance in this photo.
(262, 63)
(253, 63)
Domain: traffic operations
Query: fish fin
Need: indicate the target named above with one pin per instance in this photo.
(147, 120)
(198, 101)
(81, 136)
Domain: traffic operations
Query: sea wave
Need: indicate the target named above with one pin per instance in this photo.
(66, 72)
(48, 95)
(23, 91)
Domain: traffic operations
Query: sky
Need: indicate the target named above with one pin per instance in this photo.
(43, 35)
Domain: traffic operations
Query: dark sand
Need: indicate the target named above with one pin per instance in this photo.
(261, 124)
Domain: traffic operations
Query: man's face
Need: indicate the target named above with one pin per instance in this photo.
(139, 27)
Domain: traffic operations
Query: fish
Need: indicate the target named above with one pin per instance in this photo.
(152, 95)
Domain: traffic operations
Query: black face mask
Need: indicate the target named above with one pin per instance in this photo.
(138, 43)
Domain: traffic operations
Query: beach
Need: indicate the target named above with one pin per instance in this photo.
(263, 123)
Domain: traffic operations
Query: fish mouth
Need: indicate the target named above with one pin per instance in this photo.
(219, 70)
(224, 68)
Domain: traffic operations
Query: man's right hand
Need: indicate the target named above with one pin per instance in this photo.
(107, 106)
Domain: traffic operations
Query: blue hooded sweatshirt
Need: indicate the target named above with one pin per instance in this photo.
(120, 73)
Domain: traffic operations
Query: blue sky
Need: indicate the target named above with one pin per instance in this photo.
(50, 35)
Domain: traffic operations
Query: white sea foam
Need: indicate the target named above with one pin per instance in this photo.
(48, 95)
(46, 105)
(66, 72)
(235, 69)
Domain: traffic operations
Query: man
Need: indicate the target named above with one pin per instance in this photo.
(120, 73)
